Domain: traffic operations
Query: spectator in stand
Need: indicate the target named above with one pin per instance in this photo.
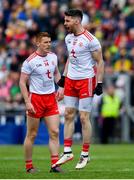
(42, 18)
(54, 18)
(122, 62)
(130, 42)
(109, 108)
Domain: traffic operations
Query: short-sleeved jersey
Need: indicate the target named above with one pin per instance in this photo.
(81, 64)
(41, 71)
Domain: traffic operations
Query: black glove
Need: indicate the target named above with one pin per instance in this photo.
(61, 82)
(98, 90)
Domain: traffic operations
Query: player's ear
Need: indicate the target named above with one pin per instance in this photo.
(37, 43)
(78, 21)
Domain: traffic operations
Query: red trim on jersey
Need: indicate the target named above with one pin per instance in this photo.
(81, 33)
(88, 36)
(31, 57)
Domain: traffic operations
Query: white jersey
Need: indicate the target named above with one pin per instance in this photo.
(41, 71)
(81, 64)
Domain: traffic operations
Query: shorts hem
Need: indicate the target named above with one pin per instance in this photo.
(71, 96)
(51, 114)
(86, 97)
(33, 116)
(80, 97)
(43, 115)
(89, 111)
(71, 107)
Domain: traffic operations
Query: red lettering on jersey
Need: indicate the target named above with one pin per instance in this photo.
(73, 53)
(49, 74)
(46, 63)
(80, 44)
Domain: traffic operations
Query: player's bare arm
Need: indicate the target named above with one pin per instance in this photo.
(60, 91)
(23, 81)
(66, 68)
(97, 56)
(61, 82)
(57, 75)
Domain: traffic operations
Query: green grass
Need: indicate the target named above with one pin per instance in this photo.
(107, 161)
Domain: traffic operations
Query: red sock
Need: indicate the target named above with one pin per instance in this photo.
(68, 142)
(29, 164)
(54, 159)
(85, 147)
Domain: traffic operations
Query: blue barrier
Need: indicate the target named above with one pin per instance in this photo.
(15, 134)
(11, 134)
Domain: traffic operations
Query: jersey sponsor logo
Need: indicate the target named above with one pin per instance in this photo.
(38, 65)
(75, 41)
(48, 83)
(69, 41)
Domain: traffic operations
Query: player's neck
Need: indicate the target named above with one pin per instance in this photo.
(40, 53)
(79, 30)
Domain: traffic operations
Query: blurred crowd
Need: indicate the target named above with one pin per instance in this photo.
(111, 21)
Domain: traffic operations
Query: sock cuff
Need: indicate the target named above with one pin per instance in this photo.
(85, 147)
(54, 159)
(28, 161)
(68, 142)
(86, 143)
(29, 164)
(54, 155)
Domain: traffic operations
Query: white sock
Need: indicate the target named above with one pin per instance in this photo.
(67, 149)
(84, 153)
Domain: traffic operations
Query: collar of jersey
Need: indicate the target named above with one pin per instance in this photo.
(81, 33)
(40, 54)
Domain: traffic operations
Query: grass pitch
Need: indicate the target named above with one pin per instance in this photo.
(107, 162)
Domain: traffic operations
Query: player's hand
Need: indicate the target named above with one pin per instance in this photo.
(30, 108)
(60, 94)
(61, 82)
(99, 89)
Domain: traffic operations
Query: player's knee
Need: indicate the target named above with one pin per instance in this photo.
(69, 114)
(54, 133)
(32, 136)
(83, 119)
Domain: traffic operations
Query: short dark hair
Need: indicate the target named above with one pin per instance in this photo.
(74, 13)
